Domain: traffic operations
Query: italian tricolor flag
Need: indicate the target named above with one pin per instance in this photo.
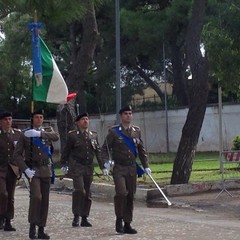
(49, 85)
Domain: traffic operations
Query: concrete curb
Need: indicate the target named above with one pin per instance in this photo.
(143, 194)
(149, 195)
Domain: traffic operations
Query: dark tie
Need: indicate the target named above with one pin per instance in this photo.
(7, 135)
(85, 134)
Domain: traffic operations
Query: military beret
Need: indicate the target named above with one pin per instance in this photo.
(5, 114)
(124, 109)
(81, 115)
(39, 111)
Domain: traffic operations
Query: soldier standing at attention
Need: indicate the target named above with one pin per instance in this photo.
(124, 143)
(81, 146)
(8, 172)
(32, 156)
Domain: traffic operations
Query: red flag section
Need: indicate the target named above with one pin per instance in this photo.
(70, 96)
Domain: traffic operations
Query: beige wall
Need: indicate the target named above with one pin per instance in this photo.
(150, 95)
(153, 125)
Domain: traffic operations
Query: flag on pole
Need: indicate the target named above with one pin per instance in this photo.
(51, 87)
(48, 83)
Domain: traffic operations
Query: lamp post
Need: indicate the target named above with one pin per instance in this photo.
(165, 99)
(117, 37)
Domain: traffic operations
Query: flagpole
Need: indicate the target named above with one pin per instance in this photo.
(32, 102)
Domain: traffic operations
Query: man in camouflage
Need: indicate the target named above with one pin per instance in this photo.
(8, 172)
(32, 157)
(124, 170)
(81, 146)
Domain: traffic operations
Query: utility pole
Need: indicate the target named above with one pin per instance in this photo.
(165, 99)
(118, 62)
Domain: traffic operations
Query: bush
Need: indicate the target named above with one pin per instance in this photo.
(236, 143)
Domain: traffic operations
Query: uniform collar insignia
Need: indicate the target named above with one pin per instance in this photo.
(9, 131)
(39, 129)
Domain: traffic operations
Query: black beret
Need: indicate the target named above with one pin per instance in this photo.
(85, 114)
(39, 111)
(124, 109)
(5, 114)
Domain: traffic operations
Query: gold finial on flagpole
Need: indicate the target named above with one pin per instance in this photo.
(35, 15)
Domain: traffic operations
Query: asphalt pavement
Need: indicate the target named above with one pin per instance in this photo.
(197, 217)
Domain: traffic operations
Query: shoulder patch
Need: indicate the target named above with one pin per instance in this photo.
(93, 132)
(72, 131)
(115, 126)
(136, 128)
(47, 128)
(17, 130)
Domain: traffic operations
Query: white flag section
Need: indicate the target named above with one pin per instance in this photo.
(58, 91)
(52, 87)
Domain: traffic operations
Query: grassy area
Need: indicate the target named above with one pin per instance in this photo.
(205, 168)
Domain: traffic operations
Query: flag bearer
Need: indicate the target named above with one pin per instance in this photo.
(32, 157)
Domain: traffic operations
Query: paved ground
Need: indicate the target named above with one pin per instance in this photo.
(197, 217)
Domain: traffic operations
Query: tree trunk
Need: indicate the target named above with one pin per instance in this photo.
(197, 90)
(179, 88)
(82, 58)
(151, 83)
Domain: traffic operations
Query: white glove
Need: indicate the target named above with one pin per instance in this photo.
(148, 171)
(64, 170)
(108, 165)
(105, 172)
(32, 133)
(30, 173)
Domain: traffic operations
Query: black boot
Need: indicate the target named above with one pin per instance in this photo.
(42, 234)
(1, 222)
(32, 231)
(75, 222)
(8, 227)
(119, 225)
(85, 222)
(128, 229)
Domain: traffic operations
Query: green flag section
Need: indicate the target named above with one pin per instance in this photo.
(51, 87)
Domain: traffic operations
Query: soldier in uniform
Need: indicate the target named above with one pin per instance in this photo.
(32, 156)
(81, 146)
(124, 143)
(8, 172)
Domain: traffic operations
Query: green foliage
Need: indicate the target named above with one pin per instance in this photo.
(221, 41)
(236, 143)
(15, 66)
(144, 26)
